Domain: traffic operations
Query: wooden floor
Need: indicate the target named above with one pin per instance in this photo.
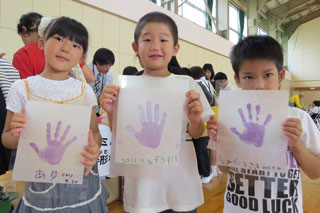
(214, 192)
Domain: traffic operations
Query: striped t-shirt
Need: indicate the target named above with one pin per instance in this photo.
(8, 75)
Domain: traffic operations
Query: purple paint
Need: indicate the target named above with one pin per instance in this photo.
(151, 131)
(254, 132)
(55, 149)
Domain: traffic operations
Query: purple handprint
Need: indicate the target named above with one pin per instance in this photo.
(151, 132)
(55, 149)
(254, 133)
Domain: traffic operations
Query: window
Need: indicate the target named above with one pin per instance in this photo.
(234, 24)
(261, 31)
(193, 10)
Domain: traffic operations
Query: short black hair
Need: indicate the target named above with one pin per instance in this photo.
(68, 28)
(220, 76)
(103, 56)
(129, 70)
(156, 17)
(30, 21)
(210, 68)
(196, 72)
(256, 47)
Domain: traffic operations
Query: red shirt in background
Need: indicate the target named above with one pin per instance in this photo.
(29, 60)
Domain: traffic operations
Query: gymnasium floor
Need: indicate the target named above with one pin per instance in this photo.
(214, 192)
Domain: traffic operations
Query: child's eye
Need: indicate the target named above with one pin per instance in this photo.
(77, 46)
(58, 38)
(268, 75)
(147, 40)
(247, 77)
(164, 40)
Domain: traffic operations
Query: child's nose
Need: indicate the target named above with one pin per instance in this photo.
(155, 45)
(65, 47)
(259, 84)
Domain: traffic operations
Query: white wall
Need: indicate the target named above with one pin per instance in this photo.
(304, 55)
(112, 27)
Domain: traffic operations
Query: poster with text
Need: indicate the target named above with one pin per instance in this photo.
(149, 120)
(250, 129)
(105, 150)
(50, 144)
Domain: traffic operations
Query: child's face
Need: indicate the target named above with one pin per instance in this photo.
(61, 53)
(103, 68)
(155, 48)
(207, 73)
(259, 74)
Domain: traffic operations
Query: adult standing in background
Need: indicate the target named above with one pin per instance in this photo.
(103, 59)
(295, 100)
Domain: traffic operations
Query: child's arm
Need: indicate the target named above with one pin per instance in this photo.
(15, 122)
(212, 130)
(194, 105)
(107, 98)
(88, 73)
(92, 150)
(309, 162)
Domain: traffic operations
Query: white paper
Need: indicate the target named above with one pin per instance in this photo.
(149, 116)
(250, 129)
(105, 151)
(50, 144)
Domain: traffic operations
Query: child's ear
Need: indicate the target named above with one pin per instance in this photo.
(41, 43)
(237, 80)
(282, 75)
(135, 48)
(175, 50)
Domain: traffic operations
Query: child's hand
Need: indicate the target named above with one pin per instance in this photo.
(18, 122)
(293, 130)
(90, 154)
(194, 106)
(212, 128)
(108, 96)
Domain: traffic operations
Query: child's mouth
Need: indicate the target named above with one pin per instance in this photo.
(155, 57)
(61, 58)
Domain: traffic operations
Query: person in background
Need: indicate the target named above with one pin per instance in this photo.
(29, 60)
(221, 82)
(209, 73)
(295, 100)
(8, 75)
(200, 144)
(103, 59)
(314, 109)
(130, 70)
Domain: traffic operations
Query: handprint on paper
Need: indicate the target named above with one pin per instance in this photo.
(55, 148)
(151, 132)
(254, 132)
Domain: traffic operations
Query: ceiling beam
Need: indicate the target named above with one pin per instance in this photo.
(282, 9)
(262, 5)
(292, 26)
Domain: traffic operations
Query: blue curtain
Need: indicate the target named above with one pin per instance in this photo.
(208, 18)
(241, 22)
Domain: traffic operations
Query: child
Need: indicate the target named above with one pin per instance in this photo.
(257, 62)
(155, 42)
(65, 44)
